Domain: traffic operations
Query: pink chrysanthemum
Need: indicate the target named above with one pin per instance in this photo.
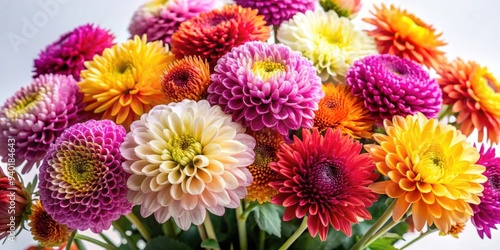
(67, 55)
(487, 213)
(277, 11)
(160, 19)
(82, 183)
(266, 85)
(325, 179)
(36, 115)
(187, 158)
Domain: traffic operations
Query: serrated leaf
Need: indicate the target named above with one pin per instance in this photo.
(162, 242)
(210, 243)
(268, 218)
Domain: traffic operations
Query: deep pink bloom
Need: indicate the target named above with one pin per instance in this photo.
(277, 11)
(266, 85)
(487, 213)
(67, 55)
(82, 183)
(326, 179)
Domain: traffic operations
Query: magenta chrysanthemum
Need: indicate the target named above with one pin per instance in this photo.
(82, 183)
(487, 213)
(67, 55)
(159, 20)
(266, 85)
(277, 11)
(36, 115)
(391, 86)
(324, 178)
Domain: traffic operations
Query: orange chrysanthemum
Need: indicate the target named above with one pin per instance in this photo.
(341, 109)
(401, 33)
(45, 230)
(124, 82)
(474, 95)
(454, 231)
(267, 145)
(187, 78)
(431, 167)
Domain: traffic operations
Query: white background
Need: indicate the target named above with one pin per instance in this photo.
(469, 27)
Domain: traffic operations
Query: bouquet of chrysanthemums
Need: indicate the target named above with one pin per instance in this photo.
(242, 125)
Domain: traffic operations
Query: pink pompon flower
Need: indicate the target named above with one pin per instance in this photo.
(67, 55)
(277, 11)
(266, 85)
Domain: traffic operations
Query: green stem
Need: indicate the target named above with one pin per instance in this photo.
(130, 241)
(262, 240)
(295, 236)
(169, 229)
(209, 227)
(203, 234)
(382, 232)
(241, 219)
(444, 113)
(140, 227)
(421, 236)
(70, 240)
(249, 209)
(80, 245)
(375, 227)
(95, 241)
(105, 238)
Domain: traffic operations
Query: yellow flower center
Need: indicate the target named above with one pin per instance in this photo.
(78, 171)
(431, 163)
(266, 69)
(24, 104)
(409, 27)
(183, 149)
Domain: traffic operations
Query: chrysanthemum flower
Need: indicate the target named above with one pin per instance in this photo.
(266, 85)
(342, 110)
(431, 167)
(45, 229)
(455, 230)
(212, 34)
(14, 201)
(187, 158)
(267, 145)
(324, 178)
(277, 11)
(159, 19)
(124, 82)
(391, 86)
(328, 40)
(187, 78)
(346, 8)
(487, 213)
(36, 115)
(400, 33)
(474, 95)
(82, 183)
(67, 55)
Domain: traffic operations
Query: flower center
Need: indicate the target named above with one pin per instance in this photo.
(266, 69)
(263, 155)
(122, 67)
(183, 149)
(492, 83)
(494, 182)
(396, 69)
(431, 163)
(180, 76)
(409, 27)
(24, 103)
(78, 171)
(325, 178)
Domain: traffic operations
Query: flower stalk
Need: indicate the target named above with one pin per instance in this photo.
(94, 241)
(140, 227)
(241, 219)
(295, 236)
(378, 224)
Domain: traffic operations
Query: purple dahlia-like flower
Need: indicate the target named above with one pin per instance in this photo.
(487, 213)
(82, 183)
(160, 21)
(391, 86)
(35, 116)
(67, 55)
(277, 11)
(266, 85)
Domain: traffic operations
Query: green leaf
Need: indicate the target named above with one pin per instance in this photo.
(268, 218)
(162, 242)
(210, 243)
(385, 242)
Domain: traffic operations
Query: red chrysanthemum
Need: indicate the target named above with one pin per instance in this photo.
(326, 179)
(212, 34)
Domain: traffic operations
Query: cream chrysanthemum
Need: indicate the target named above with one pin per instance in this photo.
(328, 40)
(186, 158)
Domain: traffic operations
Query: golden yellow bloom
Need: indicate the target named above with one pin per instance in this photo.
(341, 109)
(46, 230)
(124, 82)
(400, 33)
(430, 167)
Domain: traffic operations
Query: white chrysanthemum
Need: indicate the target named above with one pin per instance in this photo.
(186, 158)
(330, 42)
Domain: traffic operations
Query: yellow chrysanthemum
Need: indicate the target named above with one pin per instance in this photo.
(431, 168)
(267, 145)
(341, 109)
(46, 230)
(124, 82)
(328, 40)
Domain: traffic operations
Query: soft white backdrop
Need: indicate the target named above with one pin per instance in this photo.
(469, 27)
